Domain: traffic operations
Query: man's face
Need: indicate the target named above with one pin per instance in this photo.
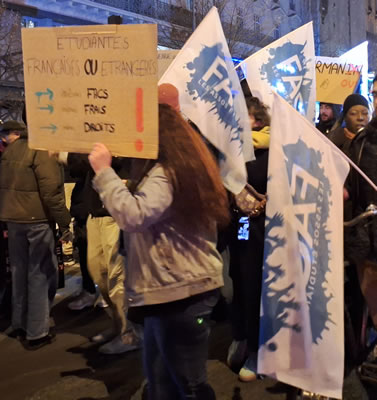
(374, 94)
(9, 138)
(357, 117)
(325, 113)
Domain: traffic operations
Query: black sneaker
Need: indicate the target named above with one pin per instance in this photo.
(18, 334)
(35, 344)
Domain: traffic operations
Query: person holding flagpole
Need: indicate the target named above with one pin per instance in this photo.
(246, 255)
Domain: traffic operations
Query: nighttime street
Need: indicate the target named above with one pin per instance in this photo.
(188, 200)
(71, 368)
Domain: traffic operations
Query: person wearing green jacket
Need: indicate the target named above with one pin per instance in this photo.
(32, 202)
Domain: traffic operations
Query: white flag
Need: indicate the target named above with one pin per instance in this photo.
(286, 66)
(301, 329)
(210, 95)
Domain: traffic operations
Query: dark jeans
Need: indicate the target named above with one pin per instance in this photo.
(245, 268)
(176, 349)
(34, 276)
(81, 242)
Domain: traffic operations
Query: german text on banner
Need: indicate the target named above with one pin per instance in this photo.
(210, 95)
(286, 66)
(336, 79)
(301, 331)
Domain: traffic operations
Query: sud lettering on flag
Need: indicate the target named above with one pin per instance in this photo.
(210, 95)
(286, 66)
(301, 327)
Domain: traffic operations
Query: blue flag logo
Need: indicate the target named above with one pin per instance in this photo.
(210, 83)
(310, 192)
(286, 71)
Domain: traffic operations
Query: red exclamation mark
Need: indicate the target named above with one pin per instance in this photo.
(139, 143)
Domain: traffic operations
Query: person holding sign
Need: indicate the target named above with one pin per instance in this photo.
(174, 270)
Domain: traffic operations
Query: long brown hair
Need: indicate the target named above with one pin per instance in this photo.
(199, 195)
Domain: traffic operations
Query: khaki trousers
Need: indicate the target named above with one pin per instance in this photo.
(106, 266)
(367, 272)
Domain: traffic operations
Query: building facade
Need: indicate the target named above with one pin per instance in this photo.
(248, 24)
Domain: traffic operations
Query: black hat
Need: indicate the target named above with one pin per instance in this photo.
(354, 100)
(12, 126)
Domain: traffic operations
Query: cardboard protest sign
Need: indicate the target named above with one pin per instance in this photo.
(92, 84)
(164, 59)
(336, 79)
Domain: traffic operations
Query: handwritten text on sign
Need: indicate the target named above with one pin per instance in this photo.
(336, 79)
(92, 84)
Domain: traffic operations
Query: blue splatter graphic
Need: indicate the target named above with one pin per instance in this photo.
(275, 309)
(286, 71)
(210, 83)
(315, 250)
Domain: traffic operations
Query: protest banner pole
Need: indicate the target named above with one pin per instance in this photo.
(350, 162)
(341, 154)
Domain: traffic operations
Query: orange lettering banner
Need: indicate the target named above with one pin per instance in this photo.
(335, 79)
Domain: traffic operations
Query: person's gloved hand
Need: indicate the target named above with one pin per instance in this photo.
(66, 236)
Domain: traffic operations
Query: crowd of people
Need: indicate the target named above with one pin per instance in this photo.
(150, 236)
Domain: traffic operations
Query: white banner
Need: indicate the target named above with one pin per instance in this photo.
(210, 95)
(286, 66)
(301, 328)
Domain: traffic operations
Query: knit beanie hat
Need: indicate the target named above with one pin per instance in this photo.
(354, 100)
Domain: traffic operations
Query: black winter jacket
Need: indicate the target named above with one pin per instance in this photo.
(361, 240)
(86, 200)
(31, 186)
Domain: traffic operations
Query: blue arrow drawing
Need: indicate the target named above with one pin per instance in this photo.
(50, 108)
(51, 127)
(48, 93)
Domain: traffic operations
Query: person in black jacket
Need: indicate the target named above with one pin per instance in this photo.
(360, 246)
(328, 114)
(78, 169)
(354, 117)
(246, 255)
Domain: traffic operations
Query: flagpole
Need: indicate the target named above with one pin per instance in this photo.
(356, 167)
(335, 148)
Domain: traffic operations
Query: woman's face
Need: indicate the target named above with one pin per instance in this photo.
(356, 118)
(252, 121)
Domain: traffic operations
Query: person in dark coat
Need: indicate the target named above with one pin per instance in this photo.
(360, 246)
(78, 168)
(354, 117)
(328, 114)
(32, 202)
(246, 255)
